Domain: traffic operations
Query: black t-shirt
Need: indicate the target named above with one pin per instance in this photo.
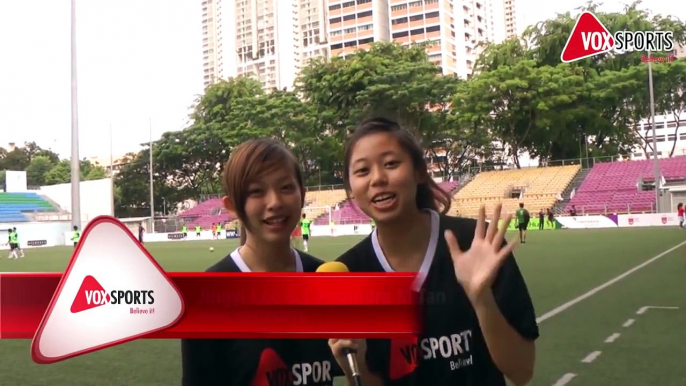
(451, 350)
(259, 362)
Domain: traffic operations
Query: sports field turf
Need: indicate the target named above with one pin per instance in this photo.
(620, 344)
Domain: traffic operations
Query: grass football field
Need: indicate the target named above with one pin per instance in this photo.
(590, 289)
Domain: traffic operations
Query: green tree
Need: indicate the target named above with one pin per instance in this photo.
(96, 172)
(283, 116)
(131, 186)
(388, 80)
(59, 174)
(214, 107)
(523, 106)
(17, 159)
(37, 170)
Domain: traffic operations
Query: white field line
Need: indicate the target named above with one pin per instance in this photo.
(565, 379)
(601, 287)
(591, 357)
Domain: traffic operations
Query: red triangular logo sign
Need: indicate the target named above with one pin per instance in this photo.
(404, 355)
(271, 370)
(589, 37)
(112, 292)
(90, 295)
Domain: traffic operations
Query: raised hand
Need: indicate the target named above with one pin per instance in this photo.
(477, 267)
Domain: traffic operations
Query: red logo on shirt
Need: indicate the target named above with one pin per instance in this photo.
(404, 354)
(272, 371)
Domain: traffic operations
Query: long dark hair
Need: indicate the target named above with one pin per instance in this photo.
(429, 194)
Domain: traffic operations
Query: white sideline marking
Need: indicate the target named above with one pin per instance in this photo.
(612, 337)
(565, 379)
(601, 287)
(628, 323)
(642, 310)
(591, 357)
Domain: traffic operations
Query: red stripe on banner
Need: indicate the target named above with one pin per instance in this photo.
(254, 305)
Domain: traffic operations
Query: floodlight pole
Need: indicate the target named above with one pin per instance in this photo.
(112, 170)
(152, 196)
(656, 163)
(75, 167)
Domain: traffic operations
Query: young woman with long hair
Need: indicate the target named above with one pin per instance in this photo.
(479, 325)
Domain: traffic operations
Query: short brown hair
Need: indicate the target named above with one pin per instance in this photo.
(252, 160)
(429, 194)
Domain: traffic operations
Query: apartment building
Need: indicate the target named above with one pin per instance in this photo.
(670, 134)
(355, 24)
(271, 40)
(210, 40)
(453, 29)
(511, 18)
(680, 52)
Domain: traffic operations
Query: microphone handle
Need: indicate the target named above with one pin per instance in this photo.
(352, 362)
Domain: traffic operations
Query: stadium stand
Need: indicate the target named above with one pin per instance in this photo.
(612, 187)
(206, 221)
(349, 213)
(536, 187)
(14, 205)
(205, 208)
(317, 201)
(210, 211)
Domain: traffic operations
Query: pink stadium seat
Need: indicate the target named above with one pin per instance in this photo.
(611, 186)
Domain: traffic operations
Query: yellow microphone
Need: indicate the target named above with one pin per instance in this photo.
(333, 266)
(336, 266)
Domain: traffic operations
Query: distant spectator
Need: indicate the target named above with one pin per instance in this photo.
(572, 211)
(551, 218)
(141, 231)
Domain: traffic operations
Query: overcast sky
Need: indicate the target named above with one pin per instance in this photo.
(137, 60)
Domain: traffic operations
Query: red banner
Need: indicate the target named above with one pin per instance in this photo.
(254, 305)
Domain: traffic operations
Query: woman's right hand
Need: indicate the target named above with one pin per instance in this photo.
(339, 346)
